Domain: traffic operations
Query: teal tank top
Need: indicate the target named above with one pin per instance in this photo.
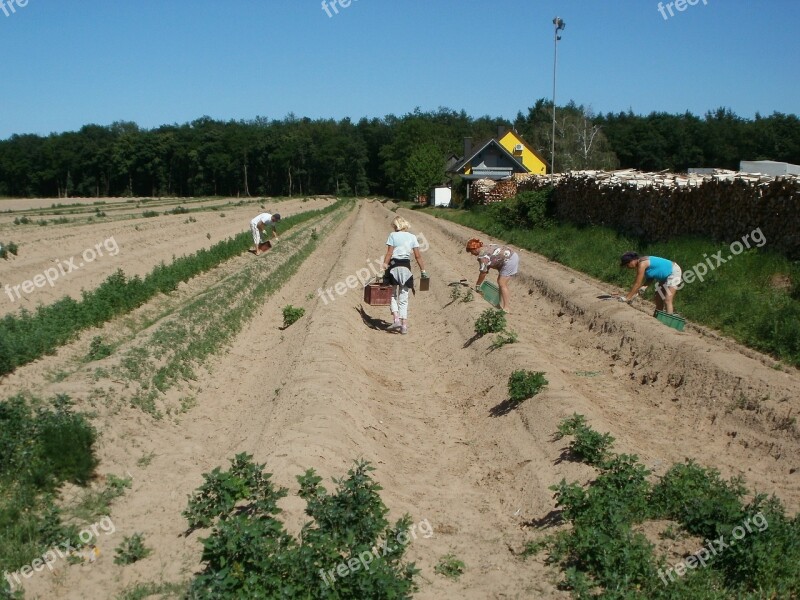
(659, 269)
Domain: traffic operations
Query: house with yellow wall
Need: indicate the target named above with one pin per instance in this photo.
(499, 159)
(531, 159)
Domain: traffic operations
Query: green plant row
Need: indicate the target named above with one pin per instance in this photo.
(742, 549)
(30, 335)
(754, 297)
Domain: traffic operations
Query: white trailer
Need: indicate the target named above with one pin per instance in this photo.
(441, 196)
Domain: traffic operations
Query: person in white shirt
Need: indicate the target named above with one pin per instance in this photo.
(257, 226)
(397, 270)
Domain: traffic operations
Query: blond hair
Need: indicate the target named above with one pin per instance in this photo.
(400, 224)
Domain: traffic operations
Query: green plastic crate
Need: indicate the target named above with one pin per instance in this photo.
(673, 320)
(491, 293)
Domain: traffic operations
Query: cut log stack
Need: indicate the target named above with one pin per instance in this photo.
(723, 205)
(487, 191)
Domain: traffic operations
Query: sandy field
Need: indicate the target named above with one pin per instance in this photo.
(80, 255)
(428, 409)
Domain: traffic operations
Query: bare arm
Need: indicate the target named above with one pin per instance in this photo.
(388, 256)
(418, 256)
(643, 264)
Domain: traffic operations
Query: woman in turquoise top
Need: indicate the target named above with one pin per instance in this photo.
(665, 273)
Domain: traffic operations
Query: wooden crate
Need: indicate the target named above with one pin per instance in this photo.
(378, 294)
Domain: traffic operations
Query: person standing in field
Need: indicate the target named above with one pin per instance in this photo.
(665, 273)
(494, 256)
(258, 224)
(397, 271)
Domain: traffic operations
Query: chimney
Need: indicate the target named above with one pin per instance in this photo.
(501, 131)
(467, 146)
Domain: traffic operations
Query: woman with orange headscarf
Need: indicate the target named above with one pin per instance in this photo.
(494, 256)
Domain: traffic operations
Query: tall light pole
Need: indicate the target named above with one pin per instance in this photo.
(559, 24)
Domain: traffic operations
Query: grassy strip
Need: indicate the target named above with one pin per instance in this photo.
(741, 549)
(208, 323)
(754, 297)
(29, 336)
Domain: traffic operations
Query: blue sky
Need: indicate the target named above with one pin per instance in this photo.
(64, 64)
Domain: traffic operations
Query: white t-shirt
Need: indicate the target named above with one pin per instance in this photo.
(403, 244)
(262, 218)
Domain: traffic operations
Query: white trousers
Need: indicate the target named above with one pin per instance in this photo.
(400, 295)
(400, 301)
(256, 234)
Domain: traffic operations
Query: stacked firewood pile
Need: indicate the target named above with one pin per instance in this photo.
(723, 205)
(486, 191)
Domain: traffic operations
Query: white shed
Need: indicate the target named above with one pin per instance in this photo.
(441, 196)
(769, 167)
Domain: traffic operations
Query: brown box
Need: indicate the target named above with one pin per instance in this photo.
(377, 294)
(424, 284)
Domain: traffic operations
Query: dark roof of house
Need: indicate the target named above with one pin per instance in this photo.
(480, 148)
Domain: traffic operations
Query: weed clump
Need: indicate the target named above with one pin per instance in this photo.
(491, 320)
(525, 384)
(291, 314)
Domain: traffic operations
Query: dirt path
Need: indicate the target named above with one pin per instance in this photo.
(427, 409)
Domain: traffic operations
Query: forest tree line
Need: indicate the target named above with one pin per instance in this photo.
(398, 157)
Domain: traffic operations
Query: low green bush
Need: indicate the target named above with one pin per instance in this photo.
(42, 445)
(749, 549)
(249, 554)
